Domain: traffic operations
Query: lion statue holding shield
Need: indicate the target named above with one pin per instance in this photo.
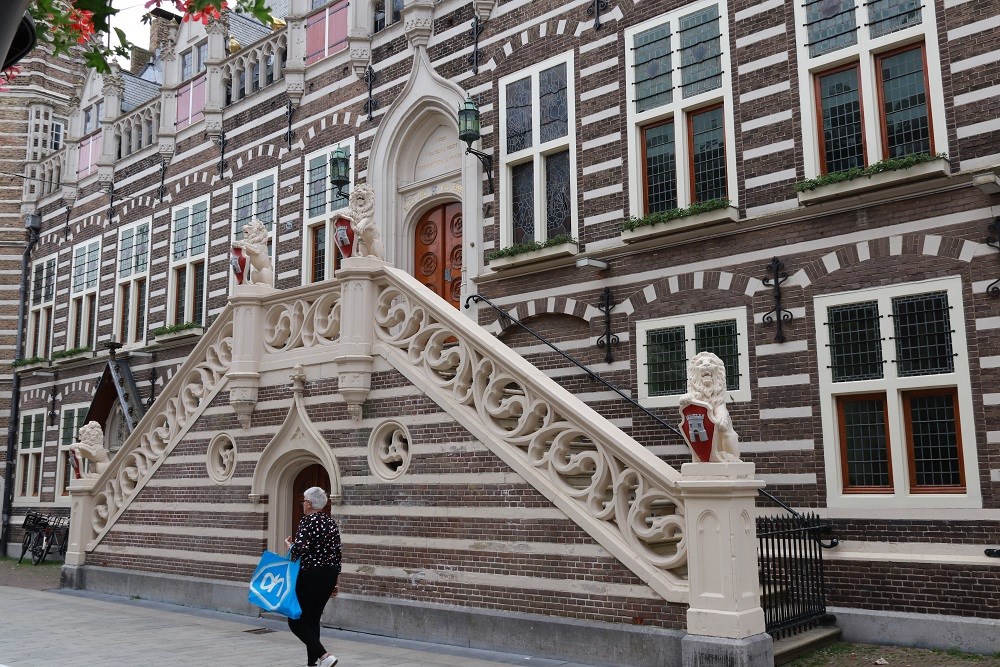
(707, 388)
(90, 446)
(361, 213)
(254, 246)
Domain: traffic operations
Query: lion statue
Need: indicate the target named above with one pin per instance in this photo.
(361, 213)
(90, 446)
(254, 245)
(706, 387)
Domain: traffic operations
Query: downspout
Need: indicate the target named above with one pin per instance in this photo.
(33, 223)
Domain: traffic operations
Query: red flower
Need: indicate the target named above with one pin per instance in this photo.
(206, 14)
(7, 75)
(178, 4)
(81, 22)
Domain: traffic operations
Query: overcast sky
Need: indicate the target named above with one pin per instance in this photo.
(129, 19)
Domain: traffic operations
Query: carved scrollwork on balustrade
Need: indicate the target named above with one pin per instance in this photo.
(302, 324)
(140, 455)
(647, 514)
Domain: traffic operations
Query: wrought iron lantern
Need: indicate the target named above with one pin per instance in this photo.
(468, 131)
(340, 170)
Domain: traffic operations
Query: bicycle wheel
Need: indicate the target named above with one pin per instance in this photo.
(25, 545)
(39, 548)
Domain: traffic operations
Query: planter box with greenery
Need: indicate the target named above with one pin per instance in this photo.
(177, 332)
(697, 215)
(531, 252)
(887, 173)
(30, 364)
(73, 354)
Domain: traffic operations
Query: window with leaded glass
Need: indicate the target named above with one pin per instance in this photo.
(43, 282)
(85, 277)
(131, 284)
(842, 140)
(69, 426)
(29, 455)
(188, 255)
(254, 200)
(894, 380)
(676, 82)
(537, 151)
(831, 25)
(888, 16)
(324, 205)
(666, 345)
(903, 87)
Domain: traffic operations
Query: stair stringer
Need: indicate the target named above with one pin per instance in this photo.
(183, 399)
(607, 483)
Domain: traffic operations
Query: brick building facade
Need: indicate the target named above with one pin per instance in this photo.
(867, 394)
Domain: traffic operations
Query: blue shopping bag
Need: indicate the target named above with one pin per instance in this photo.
(272, 587)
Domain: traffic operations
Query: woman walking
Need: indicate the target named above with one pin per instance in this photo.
(317, 547)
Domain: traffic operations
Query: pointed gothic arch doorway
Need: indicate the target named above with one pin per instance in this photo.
(313, 475)
(437, 244)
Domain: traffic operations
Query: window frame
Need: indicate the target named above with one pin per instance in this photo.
(642, 327)
(42, 314)
(880, 91)
(537, 152)
(62, 488)
(311, 223)
(817, 92)
(678, 111)
(135, 276)
(865, 55)
(30, 459)
(187, 264)
(895, 388)
(89, 297)
(236, 234)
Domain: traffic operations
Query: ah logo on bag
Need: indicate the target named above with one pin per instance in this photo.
(272, 587)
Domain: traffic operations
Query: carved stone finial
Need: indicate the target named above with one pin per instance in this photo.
(361, 213)
(354, 412)
(90, 446)
(298, 378)
(253, 249)
(705, 422)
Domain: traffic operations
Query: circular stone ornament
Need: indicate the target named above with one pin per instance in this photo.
(221, 461)
(389, 450)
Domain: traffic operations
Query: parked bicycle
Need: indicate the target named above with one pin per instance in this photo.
(43, 534)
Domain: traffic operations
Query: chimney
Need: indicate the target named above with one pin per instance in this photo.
(159, 22)
(139, 59)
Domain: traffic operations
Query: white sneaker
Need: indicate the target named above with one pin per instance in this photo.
(328, 661)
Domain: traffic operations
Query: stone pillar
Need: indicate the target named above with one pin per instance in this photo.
(167, 131)
(215, 92)
(725, 619)
(248, 346)
(81, 531)
(357, 330)
(295, 54)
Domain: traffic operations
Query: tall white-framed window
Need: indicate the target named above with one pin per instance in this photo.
(896, 397)
(29, 455)
(869, 82)
(323, 203)
(255, 197)
(132, 284)
(72, 418)
(664, 345)
(43, 283)
(188, 262)
(679, 109)
(538, 152)
(86, 275)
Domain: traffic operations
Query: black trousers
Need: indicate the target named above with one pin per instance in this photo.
(313, 590)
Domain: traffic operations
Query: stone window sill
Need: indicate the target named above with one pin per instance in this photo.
(920, 172)
(728, 214)
(562, 250)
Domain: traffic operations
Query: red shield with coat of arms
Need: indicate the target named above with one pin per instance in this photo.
(239, 263)
(343, 236)
(698, 429)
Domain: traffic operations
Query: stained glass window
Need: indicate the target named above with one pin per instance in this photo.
(840, 107)
(708, 144)
(523, 202)
(701, 51)
(904, 98)
(661, 168)
(888, 16)
(865, 441)
(553, 116)
(653, 69)
(558, 205)
(518, 115)
(831, 25)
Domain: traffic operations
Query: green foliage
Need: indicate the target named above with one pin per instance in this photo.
(64, 354)
(891, 164)
(174, 328)
(674, 214)
(30, 361)
(530, 246)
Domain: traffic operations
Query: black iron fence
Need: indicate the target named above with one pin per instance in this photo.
(790, 551)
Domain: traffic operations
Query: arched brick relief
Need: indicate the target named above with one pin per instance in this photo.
(134, 203)
(320, 125)
(78, 227)
(904, 245)
(724, 281)
(544, 306)
(256, 154)
(546, 30)
(205, 176)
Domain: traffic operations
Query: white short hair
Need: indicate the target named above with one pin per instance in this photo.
(316, 496)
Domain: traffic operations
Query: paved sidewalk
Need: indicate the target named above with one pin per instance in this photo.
(80, 629)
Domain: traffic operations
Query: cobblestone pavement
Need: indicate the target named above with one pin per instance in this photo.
(43, 628)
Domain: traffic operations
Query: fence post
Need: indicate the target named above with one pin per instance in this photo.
(725, 619)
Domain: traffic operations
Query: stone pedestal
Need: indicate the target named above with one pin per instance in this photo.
(81, 525)
(357, 306)
(725, 619)
(243, 378)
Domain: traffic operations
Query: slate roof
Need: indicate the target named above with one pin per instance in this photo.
(137, 91)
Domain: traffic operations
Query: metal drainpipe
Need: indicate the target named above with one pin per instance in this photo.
(33, 224)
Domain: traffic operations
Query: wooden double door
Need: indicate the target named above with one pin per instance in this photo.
(314, 475)
(437, 259)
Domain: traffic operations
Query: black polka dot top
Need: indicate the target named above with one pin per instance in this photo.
(317, 542)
